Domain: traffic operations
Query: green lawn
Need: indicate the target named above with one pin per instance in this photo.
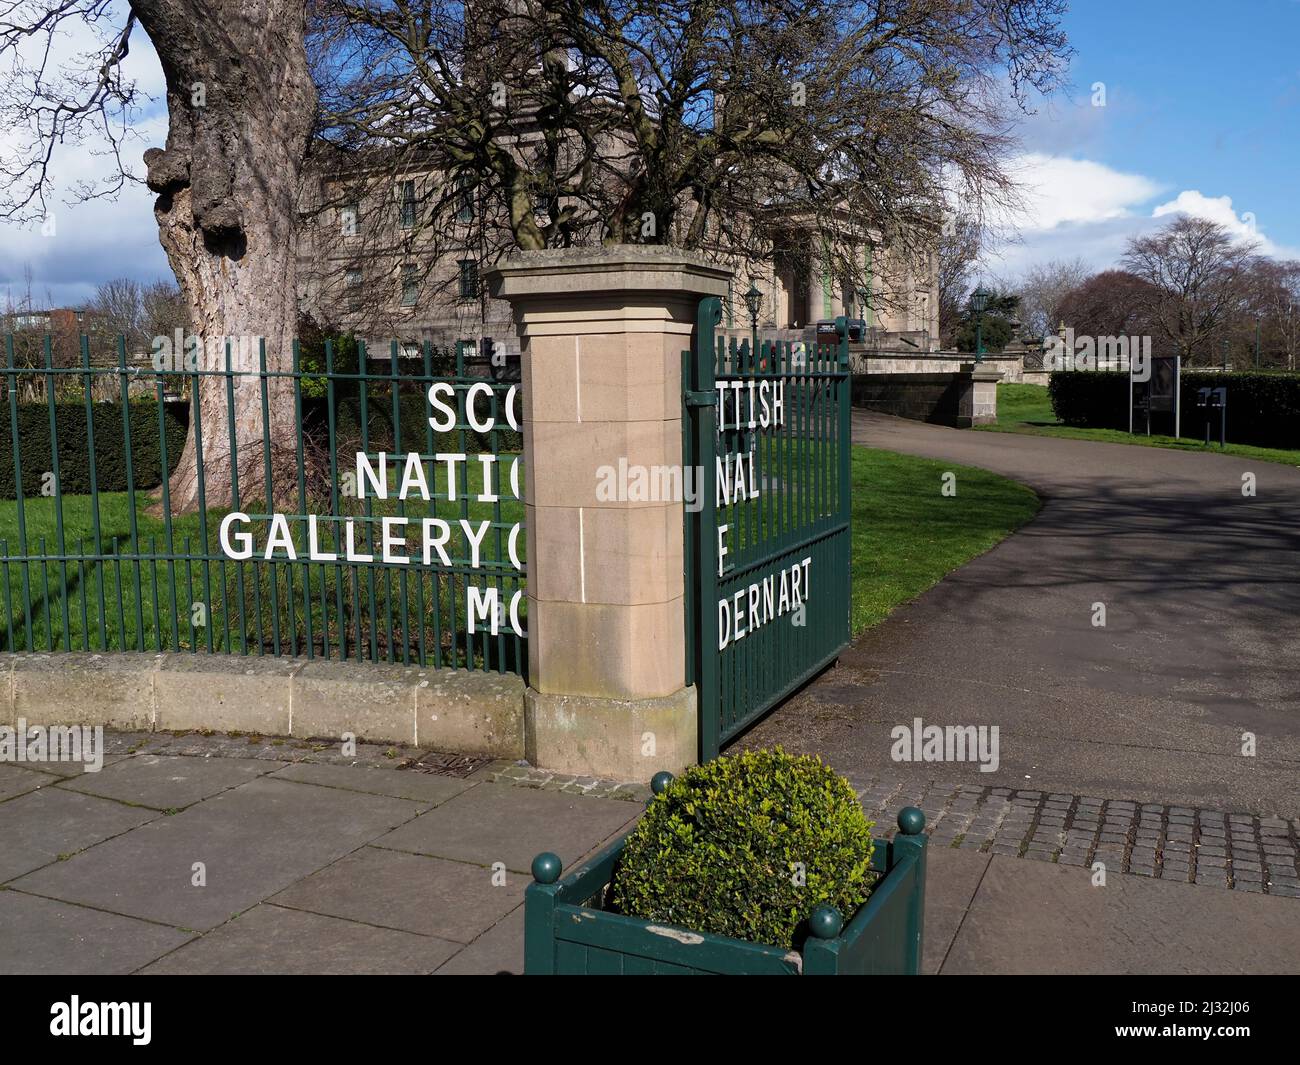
(1026, 409)
(907, 535)
(149, 604)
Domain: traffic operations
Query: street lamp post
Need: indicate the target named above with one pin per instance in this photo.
(979, 302)
(753, 301)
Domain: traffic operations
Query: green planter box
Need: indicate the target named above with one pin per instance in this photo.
(566, 931)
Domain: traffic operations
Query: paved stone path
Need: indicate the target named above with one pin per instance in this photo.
(1201, 647)
(195, 854)
(319, 862)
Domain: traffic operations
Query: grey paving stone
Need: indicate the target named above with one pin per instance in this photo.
(271, 940)
(46, 937)
(399, 783)
(254, 841)
(1034, 917)
(168, 782)
(410, 892)
(497, 952)
(499, 823)
(69, 769)
(18, 780)
(38, 827)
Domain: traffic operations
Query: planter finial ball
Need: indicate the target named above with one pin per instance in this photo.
(660, 781)
(546, 868)
(911, 821)
(825, 922)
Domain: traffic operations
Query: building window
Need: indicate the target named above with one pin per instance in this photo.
(468, 279)
(465, 200)
(352, 281)
(349, 219)
(410, 285)
(407, 193)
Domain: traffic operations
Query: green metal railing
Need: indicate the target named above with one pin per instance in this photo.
(95, 557)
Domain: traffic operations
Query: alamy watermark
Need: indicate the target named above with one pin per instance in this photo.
(920, 742)
(1070, 352)
(53, 743)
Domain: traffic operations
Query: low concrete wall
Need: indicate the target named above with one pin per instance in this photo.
(922, 397)
(961, 399)
(451, 710)
(902, 362)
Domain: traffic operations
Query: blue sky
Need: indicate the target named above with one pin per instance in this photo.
(1202, 114)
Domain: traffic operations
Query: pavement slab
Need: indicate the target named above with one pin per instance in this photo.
(951, 880)
(399, 783)
(164, 783)
(500, 823)
(46, 937)
(1037, 917)
(15, 780)
(410, 892)
(253, 841)
(41, 826)
(269, 940)
(497, 952)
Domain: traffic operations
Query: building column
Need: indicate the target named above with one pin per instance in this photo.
(601, 336)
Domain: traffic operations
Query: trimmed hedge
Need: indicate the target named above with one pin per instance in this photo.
(110, 447)
(747, 846)
(1263, 408)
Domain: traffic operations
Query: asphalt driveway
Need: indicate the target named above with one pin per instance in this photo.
(1199, 657)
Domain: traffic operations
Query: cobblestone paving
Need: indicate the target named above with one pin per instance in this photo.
(1237, 851)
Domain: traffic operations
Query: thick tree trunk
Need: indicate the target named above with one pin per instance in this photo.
(241, 105)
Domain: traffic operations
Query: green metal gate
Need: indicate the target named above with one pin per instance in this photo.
(767, 433)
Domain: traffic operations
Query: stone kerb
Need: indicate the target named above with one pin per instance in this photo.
(466, 711)
(601, 334)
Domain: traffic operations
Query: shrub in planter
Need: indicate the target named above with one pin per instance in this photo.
(709, 882)
(747, 846)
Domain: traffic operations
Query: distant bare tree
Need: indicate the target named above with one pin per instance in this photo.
(116, 311)
(960, 239)
(1111, 303)
(1197, 277)
(123, 307)
(1042, 290)
(1275, 304)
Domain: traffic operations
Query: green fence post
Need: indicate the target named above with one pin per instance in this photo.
(911, 838)
(539, 915)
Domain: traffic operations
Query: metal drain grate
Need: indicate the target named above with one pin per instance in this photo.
(448, 765)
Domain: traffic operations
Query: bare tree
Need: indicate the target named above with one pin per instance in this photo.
(116, 311)
(1110, 303)
(959, 245)
(1197, 275)
(723, 126)
(1275, 306)
(241, 107)
(1043, 289)
(664, 121)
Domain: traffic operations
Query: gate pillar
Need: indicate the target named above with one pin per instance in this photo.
(601, 335)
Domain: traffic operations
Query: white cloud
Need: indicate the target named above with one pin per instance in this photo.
(1219, 209)
(87, 243)
(1080, 208)
(1058, 190)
